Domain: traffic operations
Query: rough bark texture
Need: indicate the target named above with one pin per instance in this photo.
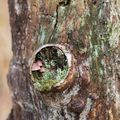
(91, 29)
(24, 26)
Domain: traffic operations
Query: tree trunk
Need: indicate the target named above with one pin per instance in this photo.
(91, 29)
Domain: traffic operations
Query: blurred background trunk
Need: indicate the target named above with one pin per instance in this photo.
(5, 56)
(91, 29)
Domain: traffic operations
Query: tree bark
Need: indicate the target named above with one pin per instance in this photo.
(24, 26)
(91, 29)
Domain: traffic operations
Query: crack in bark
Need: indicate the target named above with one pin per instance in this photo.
(64, 4)
(47, 15)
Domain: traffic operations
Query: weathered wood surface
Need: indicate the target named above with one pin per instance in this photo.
(91, 30)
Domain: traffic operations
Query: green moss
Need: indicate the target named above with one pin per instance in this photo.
(45, 85)
(49, 79)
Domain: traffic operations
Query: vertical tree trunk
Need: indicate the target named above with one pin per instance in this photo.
(91, 29)
(24, 27)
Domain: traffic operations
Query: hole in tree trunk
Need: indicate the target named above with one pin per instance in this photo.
(52, 68)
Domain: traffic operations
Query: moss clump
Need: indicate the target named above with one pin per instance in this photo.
(45, 85)
(49, 79)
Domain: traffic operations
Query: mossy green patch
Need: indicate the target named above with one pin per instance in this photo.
(49, 79)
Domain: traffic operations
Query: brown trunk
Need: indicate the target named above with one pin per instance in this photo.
(91, 29)
(24, 27)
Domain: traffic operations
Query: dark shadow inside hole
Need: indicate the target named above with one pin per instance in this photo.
(50, 66)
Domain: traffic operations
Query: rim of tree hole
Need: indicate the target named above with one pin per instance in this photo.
(68, 71)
